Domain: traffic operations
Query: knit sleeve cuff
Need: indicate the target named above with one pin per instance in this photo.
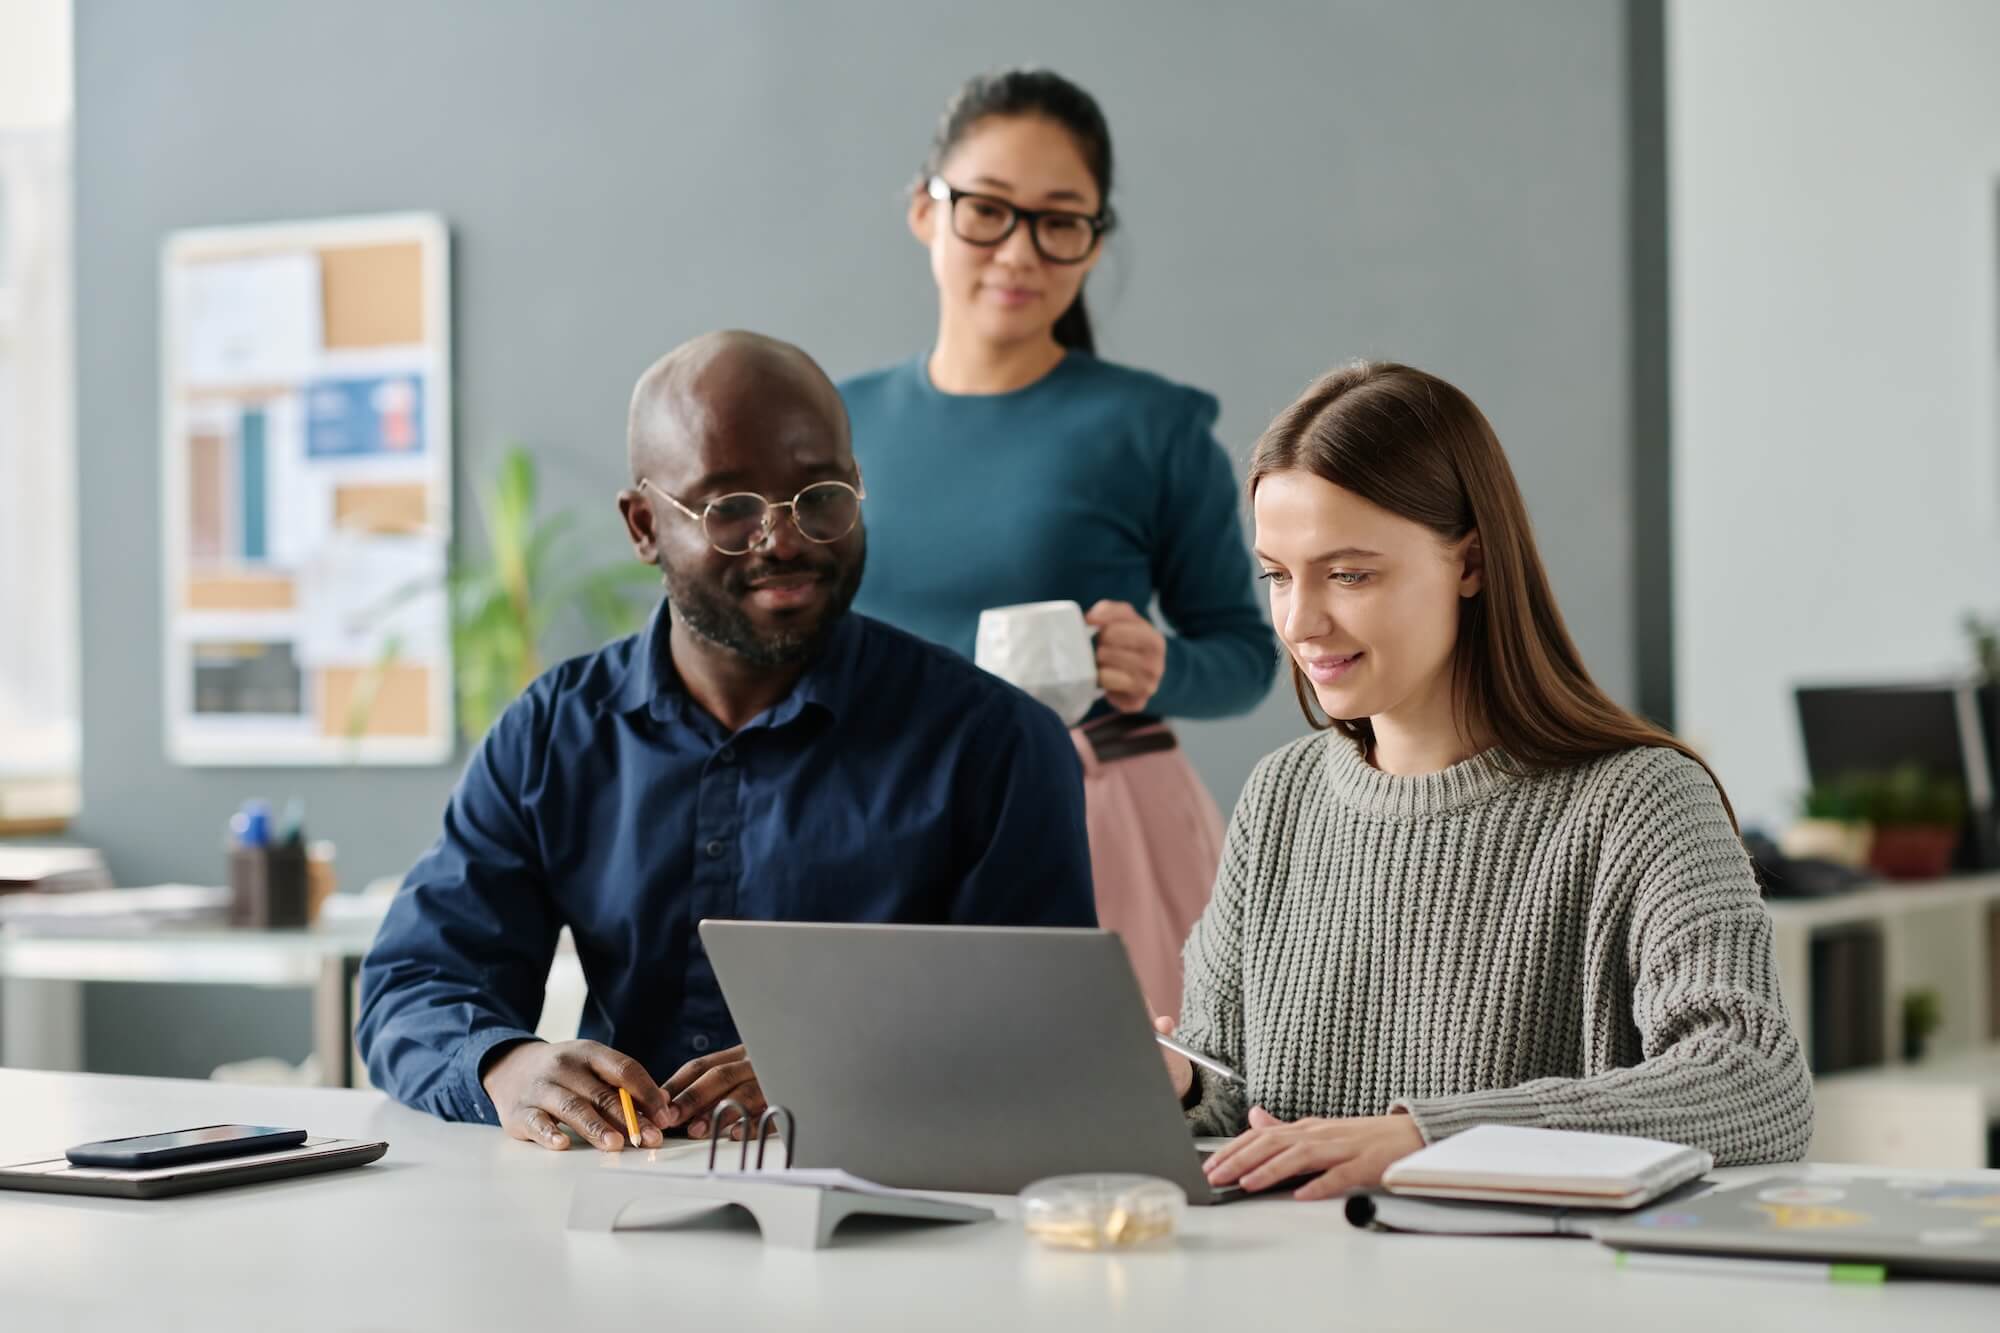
(1441, 1117)
(1218, 1109)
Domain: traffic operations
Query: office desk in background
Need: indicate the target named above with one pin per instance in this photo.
(40, 1012)
(43, 969)
(460, 1227)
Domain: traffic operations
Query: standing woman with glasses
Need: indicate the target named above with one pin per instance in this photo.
(1009, 464)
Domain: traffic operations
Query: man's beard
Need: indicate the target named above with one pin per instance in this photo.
(717, 615)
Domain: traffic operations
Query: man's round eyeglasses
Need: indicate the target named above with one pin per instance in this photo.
(1060, 236)
(738, 523)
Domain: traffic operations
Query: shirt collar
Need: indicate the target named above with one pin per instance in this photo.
(651, 683)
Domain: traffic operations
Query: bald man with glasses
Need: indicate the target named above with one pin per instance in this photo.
(758, 751)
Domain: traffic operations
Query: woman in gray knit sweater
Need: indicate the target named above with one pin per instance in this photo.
(1481, 892)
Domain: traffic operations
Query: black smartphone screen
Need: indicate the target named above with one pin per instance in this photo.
(185, 1145)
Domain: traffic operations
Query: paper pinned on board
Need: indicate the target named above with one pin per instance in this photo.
(358, 590)
(379, 416)
(248, 322)
(300, 495)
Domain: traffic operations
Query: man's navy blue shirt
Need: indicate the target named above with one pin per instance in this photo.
(896, 783)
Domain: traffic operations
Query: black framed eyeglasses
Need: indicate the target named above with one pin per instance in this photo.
(738, 523)
(1060, 236)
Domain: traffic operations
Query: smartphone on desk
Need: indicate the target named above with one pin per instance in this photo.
(184, 1145)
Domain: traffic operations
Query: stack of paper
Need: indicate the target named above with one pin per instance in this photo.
(51, 870)
(115, 911)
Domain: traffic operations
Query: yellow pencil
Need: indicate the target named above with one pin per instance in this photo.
(631, 1116)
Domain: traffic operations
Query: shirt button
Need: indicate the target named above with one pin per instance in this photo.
(700, 1043)
(727, 754)
(714, 850)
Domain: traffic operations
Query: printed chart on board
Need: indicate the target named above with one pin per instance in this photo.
(306, 479)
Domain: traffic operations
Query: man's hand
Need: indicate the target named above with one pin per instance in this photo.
(698, 1085)
(539, 1087)
(1347, 1155)
(1131, 655)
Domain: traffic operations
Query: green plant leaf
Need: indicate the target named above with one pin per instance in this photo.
(1985, 636)
(506, 599)
(509, 514)
(362, 706)
(1908, 796)
(615, 599)
(538, 557)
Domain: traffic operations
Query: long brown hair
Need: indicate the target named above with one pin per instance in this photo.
(1416, 446)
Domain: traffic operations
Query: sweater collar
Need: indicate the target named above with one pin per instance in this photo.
(1369, 790)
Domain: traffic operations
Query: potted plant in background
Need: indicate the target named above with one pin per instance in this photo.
(1923, 1014)
(1984, 632)
(1832, 825)
(1985, 636)
(500, 609)
(503, 605)
(1919, 817)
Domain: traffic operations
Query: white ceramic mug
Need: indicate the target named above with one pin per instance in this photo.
(1045, 649)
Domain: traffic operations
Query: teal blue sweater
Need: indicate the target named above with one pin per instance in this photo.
(1096, 481)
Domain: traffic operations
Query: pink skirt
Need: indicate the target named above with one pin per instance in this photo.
(1155, 844)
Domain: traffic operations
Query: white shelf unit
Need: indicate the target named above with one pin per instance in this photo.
(1938, 935)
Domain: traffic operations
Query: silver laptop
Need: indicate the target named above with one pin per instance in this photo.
(976, 1058)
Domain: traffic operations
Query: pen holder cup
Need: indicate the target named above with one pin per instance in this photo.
(321, 880)
(267, 888)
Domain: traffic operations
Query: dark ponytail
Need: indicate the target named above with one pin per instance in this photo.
(1033, 92)
(1073, 329)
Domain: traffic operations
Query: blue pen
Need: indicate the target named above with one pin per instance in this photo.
(252, 824)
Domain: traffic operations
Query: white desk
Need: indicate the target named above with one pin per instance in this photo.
(460, 1227)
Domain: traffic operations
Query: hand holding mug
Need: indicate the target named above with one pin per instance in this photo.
(1131, 655)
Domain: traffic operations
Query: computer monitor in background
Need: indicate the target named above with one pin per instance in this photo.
(1950, 730)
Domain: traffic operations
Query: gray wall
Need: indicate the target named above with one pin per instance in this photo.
(1834, 334)
(1446, 183)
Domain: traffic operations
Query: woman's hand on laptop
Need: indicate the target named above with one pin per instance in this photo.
(539, 1087)
(699, 1085)
(1342, 1155)
(1178, 1067)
